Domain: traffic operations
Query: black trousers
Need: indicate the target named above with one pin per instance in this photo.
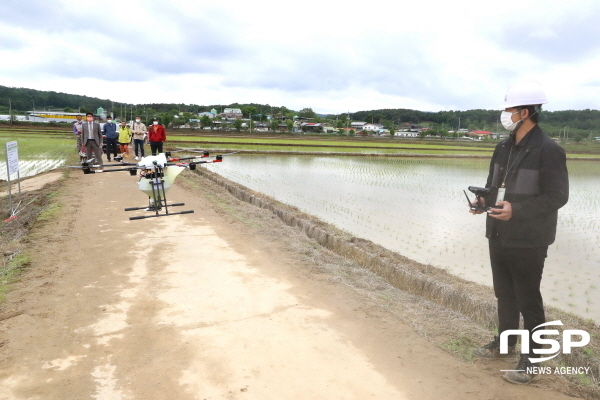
(111, 147)
(156, 147)
(517, 275)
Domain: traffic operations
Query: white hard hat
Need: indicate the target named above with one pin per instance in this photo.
(525, 93)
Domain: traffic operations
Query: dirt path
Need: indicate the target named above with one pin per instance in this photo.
(201, 306)
(33, 183)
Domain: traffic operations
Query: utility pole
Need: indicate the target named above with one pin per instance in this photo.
(10, 111)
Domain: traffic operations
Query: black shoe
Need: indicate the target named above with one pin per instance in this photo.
(492, 351)
(523, 372)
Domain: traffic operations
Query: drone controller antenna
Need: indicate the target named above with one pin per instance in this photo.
(479, 193)
(471, 206)
(477, 206)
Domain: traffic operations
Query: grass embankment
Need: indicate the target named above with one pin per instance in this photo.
(359, 145)
(37, 207)
(294, 143)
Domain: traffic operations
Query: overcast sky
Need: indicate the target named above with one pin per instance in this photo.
(333, 56)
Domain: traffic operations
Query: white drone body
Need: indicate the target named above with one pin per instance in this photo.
(170, 173)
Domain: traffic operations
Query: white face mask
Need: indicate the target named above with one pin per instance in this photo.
(506, 120)
(109, 121)
(137, 120)
(155, 122)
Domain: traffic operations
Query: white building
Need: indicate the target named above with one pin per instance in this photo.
(372, 127)
(52, 116)
(232, 113)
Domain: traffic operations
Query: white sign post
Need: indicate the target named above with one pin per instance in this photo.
(12, 167)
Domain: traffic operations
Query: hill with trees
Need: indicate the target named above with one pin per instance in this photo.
(577, 124)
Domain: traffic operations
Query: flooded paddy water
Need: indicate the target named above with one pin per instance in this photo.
(416, 207)
(412, 205)
(36, 154)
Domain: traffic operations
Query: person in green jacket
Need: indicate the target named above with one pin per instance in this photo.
(124, 138)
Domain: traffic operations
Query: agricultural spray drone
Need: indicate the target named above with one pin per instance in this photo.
(157, 174)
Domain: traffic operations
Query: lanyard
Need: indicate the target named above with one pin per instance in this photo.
(508, 167)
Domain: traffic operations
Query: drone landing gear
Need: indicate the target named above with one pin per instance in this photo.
(157, 209)
(158, 199)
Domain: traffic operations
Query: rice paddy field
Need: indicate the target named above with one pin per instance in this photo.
(412, 205)
(347, 150)
(415, 206)
(37, 152)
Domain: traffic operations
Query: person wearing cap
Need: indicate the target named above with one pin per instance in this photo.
(528, 182)
(156, 137)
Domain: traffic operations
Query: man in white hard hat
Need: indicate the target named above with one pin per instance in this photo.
(528, 182)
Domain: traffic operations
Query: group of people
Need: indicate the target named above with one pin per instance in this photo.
(93, 140)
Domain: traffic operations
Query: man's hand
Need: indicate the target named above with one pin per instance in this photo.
(504, 213)
(481, 203)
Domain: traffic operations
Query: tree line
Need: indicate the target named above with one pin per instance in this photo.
(576, 124)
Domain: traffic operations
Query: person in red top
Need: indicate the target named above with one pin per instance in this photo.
(156, 137)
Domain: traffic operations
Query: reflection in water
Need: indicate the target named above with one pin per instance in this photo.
(32, 167)
(416, 206)
(36, 154)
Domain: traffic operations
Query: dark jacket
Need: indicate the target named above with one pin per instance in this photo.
(110, 130)
(537, 185)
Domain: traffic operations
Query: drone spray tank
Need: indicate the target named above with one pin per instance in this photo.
(156, 179)
(160, 177)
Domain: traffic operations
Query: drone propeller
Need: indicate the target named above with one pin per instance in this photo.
(188, 158)
(228, 154)
(205, 155)
(180, 150)
(124, 163)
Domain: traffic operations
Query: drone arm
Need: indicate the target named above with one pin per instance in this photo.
(91, 171)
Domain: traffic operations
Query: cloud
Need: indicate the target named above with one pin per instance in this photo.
(331, 57)
(568, 37)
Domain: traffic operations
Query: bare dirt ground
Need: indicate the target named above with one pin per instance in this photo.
(33, 183)
(210, 305)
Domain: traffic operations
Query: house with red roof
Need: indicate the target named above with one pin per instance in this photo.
(481, 134)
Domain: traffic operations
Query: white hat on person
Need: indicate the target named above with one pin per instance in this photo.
(525, 93)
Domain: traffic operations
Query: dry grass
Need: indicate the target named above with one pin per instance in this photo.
(37, 206)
